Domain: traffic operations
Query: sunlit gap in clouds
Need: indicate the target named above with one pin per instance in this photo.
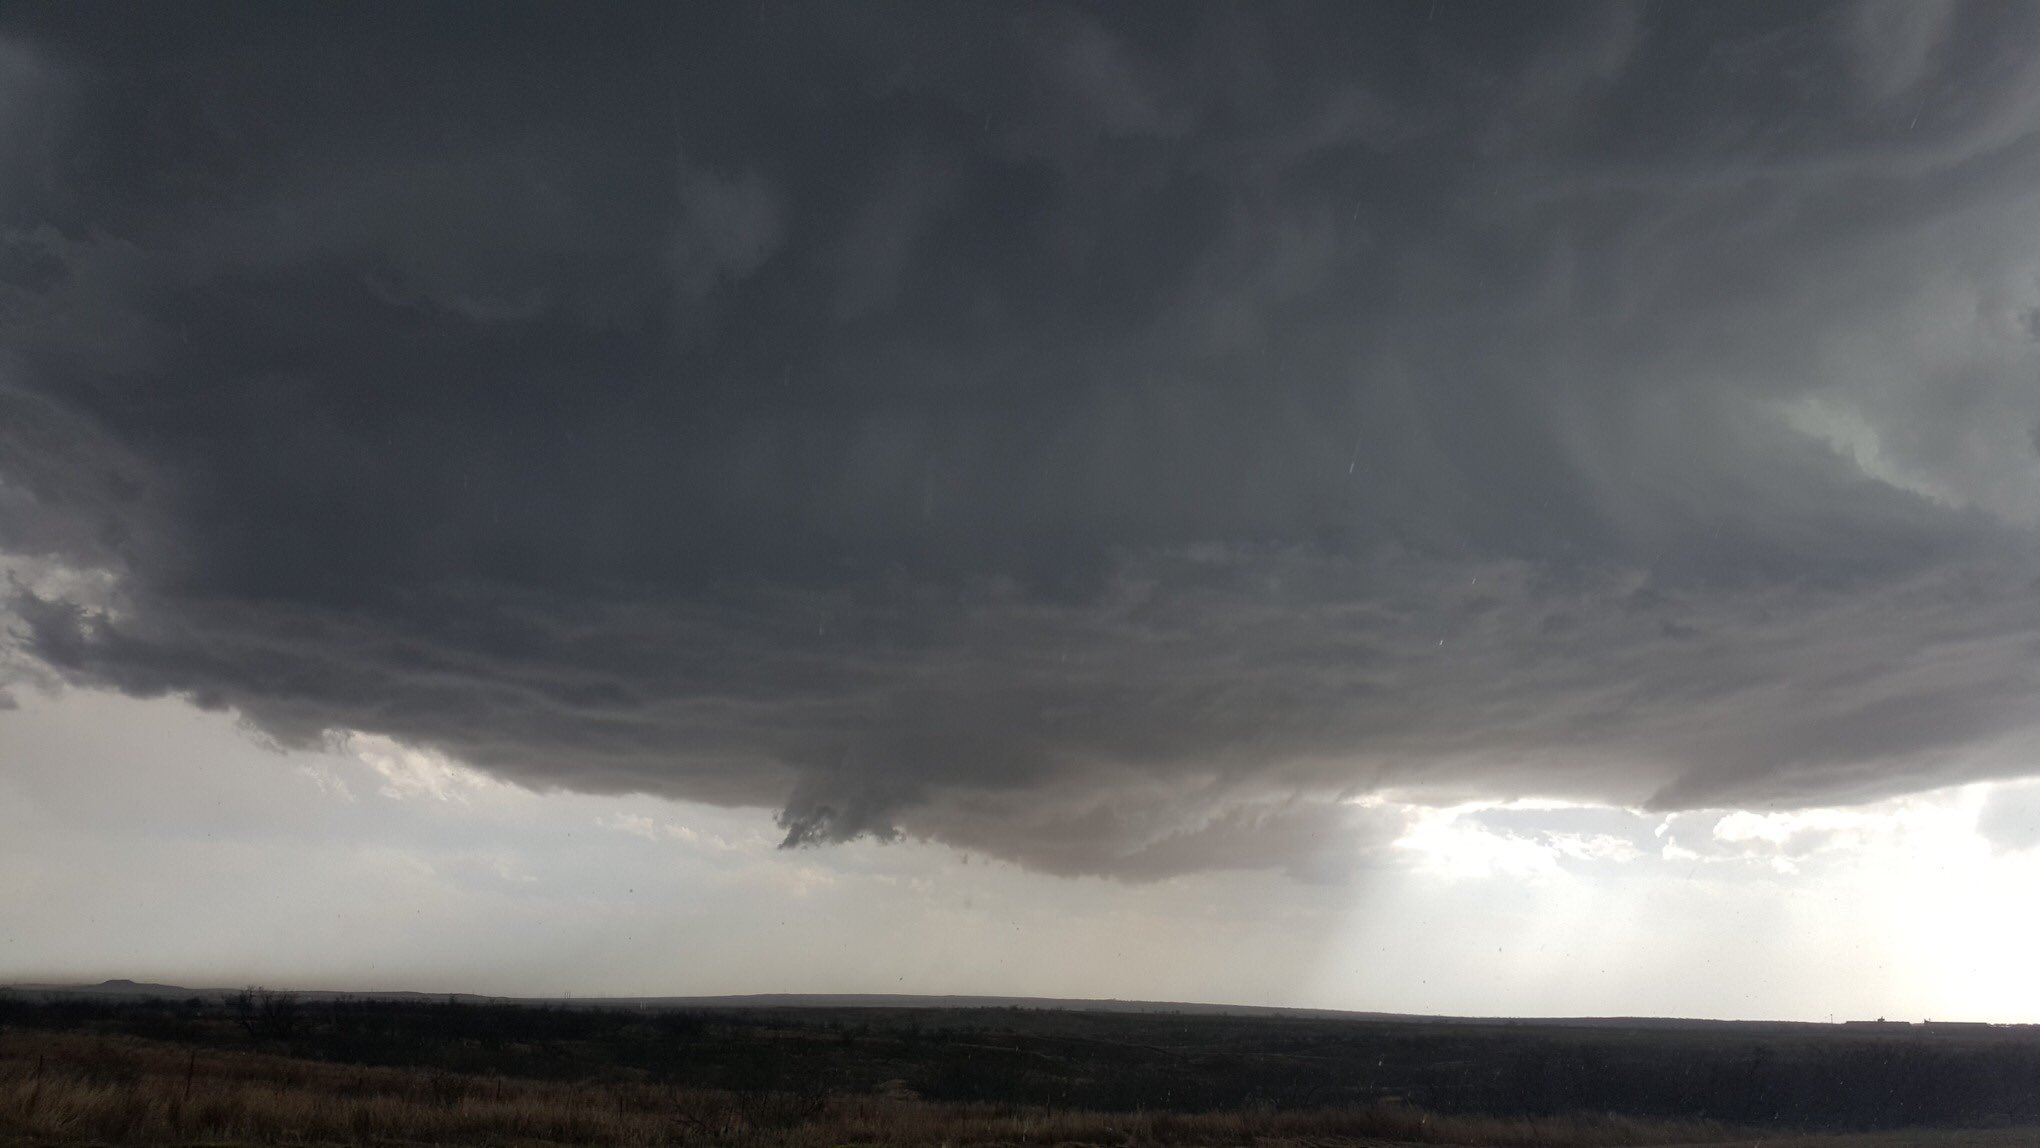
(1906, 907)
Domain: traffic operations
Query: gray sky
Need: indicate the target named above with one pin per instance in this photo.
(1367, 462)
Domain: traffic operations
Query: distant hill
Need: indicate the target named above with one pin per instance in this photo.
(122, 987)
(910, 1000)
(751, 1000)
(128, 988)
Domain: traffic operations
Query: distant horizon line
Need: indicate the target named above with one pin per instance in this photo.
(123, 986)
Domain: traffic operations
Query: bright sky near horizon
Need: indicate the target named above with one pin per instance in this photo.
(147, 840)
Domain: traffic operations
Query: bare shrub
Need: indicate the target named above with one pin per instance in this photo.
(266, 1014)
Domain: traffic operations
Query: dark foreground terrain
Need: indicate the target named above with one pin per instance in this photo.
(259, 1067)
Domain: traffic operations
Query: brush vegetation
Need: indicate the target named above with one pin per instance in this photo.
(270, 1068)
(68, 1087)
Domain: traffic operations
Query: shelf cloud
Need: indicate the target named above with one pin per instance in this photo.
(1121, 441)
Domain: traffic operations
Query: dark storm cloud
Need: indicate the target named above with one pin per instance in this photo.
(1108, 438)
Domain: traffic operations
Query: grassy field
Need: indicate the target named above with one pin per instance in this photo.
(76, 1088)
(84, 1089)
(248, 1069)
(87, 1089)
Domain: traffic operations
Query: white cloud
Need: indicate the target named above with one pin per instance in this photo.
(409, 772)
(635, 824)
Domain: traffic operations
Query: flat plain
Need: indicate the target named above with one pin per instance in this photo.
(255, 1067)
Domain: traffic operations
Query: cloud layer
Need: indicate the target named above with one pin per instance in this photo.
(1112, 440)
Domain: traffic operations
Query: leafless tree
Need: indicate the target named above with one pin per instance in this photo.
(265, 1013)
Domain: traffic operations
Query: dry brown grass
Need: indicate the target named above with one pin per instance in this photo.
(66, 1087)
